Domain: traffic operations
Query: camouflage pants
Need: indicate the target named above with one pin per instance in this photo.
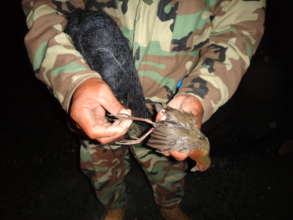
(108, 165)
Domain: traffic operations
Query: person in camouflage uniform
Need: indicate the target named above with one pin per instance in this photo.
(190, 54)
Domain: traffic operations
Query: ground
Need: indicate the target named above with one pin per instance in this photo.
(248, 180)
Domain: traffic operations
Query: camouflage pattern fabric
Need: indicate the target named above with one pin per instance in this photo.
(196, 47)
(199, 47)
(107, 167)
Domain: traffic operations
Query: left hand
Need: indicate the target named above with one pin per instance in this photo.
(187, 103)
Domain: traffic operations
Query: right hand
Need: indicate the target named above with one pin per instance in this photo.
(186, 103)
(89, 104)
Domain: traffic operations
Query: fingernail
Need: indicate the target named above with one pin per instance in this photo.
(126, 123)
(125, 111)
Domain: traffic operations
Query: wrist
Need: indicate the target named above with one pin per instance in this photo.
(87, 86)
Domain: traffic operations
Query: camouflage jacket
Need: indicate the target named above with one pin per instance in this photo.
(198, 47)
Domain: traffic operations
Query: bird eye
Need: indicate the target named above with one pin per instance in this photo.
(201, 137)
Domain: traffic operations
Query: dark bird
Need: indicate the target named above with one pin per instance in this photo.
(177, 132)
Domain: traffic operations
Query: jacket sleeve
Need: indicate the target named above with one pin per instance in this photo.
(54, 59)
(237, 28)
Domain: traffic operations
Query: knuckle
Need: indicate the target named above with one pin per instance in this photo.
(73, 115)
(91, 135)
(102, 141)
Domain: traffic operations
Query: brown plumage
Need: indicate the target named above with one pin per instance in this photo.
(177, 132)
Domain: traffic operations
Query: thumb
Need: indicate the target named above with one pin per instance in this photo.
(102, 93)
(112, 105)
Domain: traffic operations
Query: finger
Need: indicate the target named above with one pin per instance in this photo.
(178, 155)
(176, 102)
(110, 135)
(90, 122)
(107, 140)
(115, 131)
(102, 129)
(161, 115)
(166, 153)
(109, 102)
(122, 125)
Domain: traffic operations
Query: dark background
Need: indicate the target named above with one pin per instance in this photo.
(251, 176)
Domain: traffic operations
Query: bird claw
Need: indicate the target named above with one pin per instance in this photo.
(134, 141)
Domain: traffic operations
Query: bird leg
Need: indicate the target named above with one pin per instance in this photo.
(129, 117)
(135, 141)
(138, 140)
